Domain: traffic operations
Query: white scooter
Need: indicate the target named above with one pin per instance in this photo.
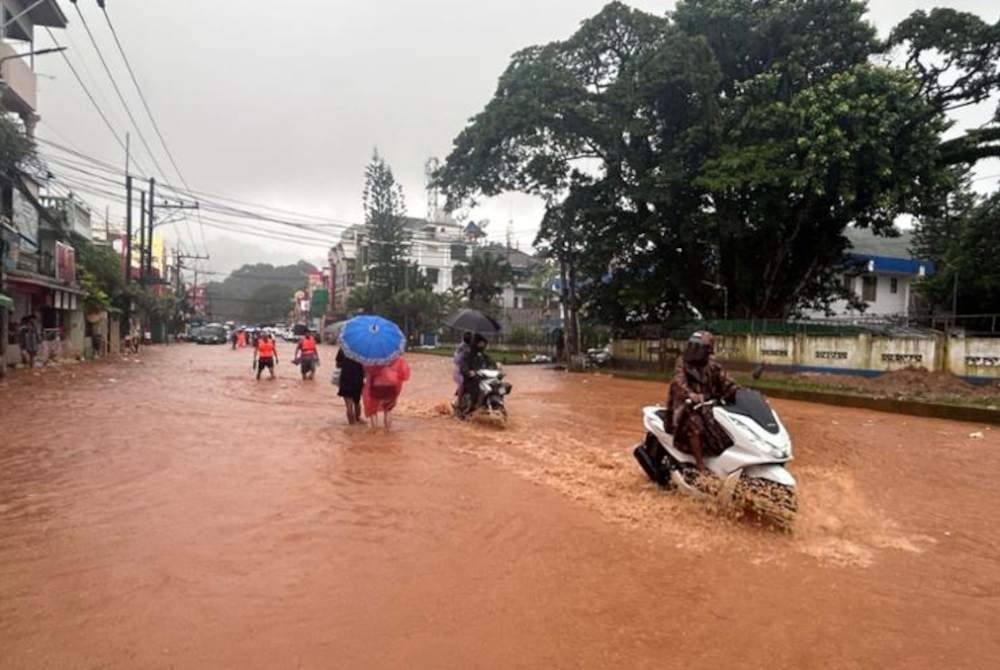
(493, 391)
(751, 472)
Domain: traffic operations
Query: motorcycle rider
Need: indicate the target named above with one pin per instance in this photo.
(697, 378)
(475, 359)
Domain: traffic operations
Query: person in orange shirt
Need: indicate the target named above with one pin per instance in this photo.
(307, 356)
(265, 355)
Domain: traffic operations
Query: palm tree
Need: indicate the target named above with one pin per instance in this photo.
(483, 279)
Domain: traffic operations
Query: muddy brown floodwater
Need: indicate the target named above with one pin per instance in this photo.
(169, 512)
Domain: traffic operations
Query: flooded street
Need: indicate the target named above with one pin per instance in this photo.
(173, 513)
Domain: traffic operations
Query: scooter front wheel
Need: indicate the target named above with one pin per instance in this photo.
(651, 466)
(773, 503)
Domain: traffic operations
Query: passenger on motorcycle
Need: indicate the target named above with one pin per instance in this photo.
(698, 378)
(474, 360)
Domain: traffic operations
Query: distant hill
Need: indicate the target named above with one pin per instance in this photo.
(257, 293)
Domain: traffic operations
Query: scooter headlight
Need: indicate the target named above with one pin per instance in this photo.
(757, 440)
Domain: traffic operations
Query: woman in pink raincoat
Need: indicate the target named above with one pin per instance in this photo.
(383, 384)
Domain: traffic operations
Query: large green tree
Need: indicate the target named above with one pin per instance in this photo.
(729, 143)
(962, 241)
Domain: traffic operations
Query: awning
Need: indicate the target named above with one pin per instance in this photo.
(6, 302)
(22, 277)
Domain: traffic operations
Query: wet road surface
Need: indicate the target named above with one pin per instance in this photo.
(169, 512)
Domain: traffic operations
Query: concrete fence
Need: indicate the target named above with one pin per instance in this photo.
(975, 359)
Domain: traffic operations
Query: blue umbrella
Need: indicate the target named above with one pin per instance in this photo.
(372, 340)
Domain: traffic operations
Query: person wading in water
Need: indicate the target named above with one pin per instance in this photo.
(265, 355)
(352, 381)
(307, 356)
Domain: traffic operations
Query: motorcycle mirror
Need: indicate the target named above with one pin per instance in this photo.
(758, 372)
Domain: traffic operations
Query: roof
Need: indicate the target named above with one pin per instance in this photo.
(865, 242)
(884, 254)
(48, 14)
(517, 259)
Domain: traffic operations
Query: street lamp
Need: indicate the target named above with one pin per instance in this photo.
(725, 296)
(40, 52)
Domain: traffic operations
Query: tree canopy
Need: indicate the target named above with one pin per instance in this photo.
(729, 143)
(962, 241)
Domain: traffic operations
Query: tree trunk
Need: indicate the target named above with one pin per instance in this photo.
(574, 314)
(569, 321)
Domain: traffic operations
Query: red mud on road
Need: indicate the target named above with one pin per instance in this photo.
(172, 513)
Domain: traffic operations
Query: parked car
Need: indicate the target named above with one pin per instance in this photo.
(214, 334)
(599, 357)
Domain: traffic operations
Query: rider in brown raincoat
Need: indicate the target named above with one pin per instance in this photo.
(698, 378)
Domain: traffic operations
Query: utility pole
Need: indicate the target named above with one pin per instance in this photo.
(165, 204)
(179, 260)
(142, 237)
(128, 228)
(152, 217)
(954, 302)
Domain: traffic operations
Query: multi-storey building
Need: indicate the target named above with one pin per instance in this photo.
(437, 247)
(38, 274)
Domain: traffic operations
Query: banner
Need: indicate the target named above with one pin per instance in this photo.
(65, 263)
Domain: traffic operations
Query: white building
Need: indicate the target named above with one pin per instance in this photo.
(521, 293)
(885, 274)
(437, 247)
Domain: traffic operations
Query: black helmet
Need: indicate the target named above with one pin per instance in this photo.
(700, 347)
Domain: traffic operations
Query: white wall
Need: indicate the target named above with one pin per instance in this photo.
(886, 302)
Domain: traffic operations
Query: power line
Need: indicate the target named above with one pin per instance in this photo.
(125, 105)
(86, 90)
(118, 91)
(145, 104)
(209, 199)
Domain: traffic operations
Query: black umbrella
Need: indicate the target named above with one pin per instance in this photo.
(473, 321)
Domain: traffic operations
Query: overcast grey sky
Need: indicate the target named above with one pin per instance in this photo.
(281, 103)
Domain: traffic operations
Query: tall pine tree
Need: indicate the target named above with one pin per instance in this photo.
(388, 242)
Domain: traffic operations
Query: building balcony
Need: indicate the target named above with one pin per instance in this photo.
(19, 84)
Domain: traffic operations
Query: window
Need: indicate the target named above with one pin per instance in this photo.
(894, 285)
(432, 275)
(458, 252)
(849, 283)
(869, 288)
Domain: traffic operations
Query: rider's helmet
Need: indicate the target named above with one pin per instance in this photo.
(700, 347)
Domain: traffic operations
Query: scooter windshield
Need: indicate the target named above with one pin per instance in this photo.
(750, 403)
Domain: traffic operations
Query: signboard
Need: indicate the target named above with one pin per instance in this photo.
(65, 263)
(318, 302)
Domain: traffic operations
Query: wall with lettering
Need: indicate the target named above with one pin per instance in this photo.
(965, 357)
(850, 353)
(974, 357)
(898, 353)
(779, 350)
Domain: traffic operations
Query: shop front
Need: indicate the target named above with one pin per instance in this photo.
(58, 312)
